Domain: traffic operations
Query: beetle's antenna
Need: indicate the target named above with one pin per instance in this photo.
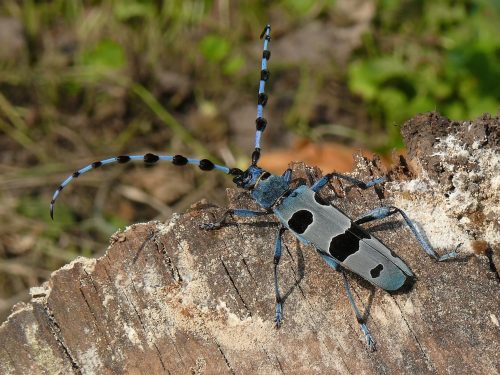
(149, 159)
(261, 122)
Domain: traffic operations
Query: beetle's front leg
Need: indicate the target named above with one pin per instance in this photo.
(235, 211)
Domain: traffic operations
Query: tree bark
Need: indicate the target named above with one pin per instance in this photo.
(171, 298)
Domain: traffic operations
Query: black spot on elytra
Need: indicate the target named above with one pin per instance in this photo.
(300, 220)
(347, 243)
(358, 231)
(375, 272)
(320, 200)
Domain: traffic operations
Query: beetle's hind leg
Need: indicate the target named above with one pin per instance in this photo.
(236, 212)
(383, 212)
(368, 337)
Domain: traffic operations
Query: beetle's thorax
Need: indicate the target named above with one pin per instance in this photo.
(267, 192)
(264, 187)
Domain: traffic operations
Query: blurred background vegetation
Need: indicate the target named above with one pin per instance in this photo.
(83, 80)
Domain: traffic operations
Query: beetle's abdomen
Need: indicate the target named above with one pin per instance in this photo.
(333, 233)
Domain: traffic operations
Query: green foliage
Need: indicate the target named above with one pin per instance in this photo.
(299, 7)
(35, 208)
(104, 56)
(429, 56)
(129, 10)
(216, 49)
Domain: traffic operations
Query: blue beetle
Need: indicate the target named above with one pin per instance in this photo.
(340, 241)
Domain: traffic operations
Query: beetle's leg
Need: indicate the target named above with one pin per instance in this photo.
(333, 264)
(383, 212)
(330, 261)
(236, 211)
(362, 185)
(369, 339)
(277, 257)
(287, 175)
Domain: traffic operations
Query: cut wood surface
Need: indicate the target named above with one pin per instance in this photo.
(171, 298)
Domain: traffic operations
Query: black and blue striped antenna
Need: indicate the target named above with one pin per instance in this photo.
(179, 160)
(148, 159)
(261, 122)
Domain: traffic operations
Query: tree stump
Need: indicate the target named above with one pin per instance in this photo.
(170, 298)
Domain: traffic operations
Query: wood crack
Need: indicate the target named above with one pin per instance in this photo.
(226, 270)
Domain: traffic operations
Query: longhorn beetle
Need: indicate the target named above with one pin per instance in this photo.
(340, 241)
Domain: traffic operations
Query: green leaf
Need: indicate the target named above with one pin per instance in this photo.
(214, 48)
(366, 76)
(361, 79)
(106, 55)
(233, 65)
(126, 10)
(395, 105)
(479, 105)
(37, 208)
(300, 7)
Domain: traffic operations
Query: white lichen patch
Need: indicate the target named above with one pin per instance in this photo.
(467, 211)
(41, 291)
(232, 318)
(108, 297)
(165, 228)
(87, 263)
(132, 336)
(151, 279)
(249, 334)
(494, 320)
(90, 362)
(42, 352)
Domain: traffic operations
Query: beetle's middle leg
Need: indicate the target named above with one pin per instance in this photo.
(383, 212)
(277, 257)
(236, 212)
(333, 264)
(361, 184)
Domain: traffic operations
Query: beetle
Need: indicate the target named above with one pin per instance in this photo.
(339, 240)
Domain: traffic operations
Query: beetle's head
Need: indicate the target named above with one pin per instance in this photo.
(251, 177)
